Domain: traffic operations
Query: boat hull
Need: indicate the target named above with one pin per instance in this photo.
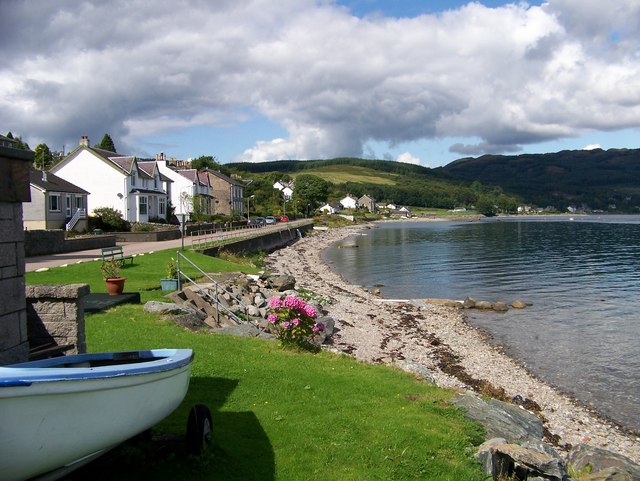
(52, 416)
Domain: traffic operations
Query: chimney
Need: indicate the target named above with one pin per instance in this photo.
(84, 141)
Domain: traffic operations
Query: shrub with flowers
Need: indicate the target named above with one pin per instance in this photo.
(294, 321)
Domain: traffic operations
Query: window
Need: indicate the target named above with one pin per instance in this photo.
(142, 205)
(162, 202)
(54, 202)
(133, 177)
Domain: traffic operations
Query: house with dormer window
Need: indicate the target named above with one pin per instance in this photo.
(136, 188)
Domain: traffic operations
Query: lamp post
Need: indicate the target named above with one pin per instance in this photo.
(248, 204)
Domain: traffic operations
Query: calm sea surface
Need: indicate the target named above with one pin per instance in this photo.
(582, 333)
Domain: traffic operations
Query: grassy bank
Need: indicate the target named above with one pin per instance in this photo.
(278, 415)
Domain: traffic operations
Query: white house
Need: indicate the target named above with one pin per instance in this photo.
(332, 208)
(188, 187)
(285, 187)
(349, 202)
(135, 188)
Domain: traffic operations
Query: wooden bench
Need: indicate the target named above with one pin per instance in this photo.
(115, 254)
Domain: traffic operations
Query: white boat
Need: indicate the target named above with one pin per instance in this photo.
(57, 414)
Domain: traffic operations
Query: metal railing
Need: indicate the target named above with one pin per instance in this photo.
(79, 214)
(206, 237)
(206, 291)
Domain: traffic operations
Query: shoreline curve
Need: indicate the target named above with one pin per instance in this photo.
(372, 329)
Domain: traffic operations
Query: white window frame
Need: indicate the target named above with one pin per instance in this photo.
(57, 208)
(162, 206)
(143, 202)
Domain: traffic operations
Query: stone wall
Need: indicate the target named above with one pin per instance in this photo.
(151, 236)
(55, 315)
(14, 189)
(265, 243)
(45, 242)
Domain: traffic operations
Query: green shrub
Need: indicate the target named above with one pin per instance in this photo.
(109, 220)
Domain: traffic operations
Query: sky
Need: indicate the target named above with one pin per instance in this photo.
(423, 82)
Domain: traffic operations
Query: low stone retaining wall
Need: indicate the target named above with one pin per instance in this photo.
(154, 236)
(265, 243)
(45, 242)
(55, 315)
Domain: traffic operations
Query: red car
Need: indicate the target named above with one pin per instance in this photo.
(284, 218)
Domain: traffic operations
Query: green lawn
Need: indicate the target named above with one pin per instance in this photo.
(278, 414)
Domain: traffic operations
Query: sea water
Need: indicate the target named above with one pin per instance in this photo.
(581, 274)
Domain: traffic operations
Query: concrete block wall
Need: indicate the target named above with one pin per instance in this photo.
(55, 314)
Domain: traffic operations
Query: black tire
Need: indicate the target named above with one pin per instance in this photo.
(199, 429)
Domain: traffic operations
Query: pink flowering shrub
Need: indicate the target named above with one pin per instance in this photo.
(293, 321)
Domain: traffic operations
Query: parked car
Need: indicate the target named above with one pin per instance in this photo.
(284, 218)
(260, 220)
(270, 219)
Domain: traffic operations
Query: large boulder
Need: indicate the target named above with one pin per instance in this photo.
(518, 304)
(511, 461)
(601, 464)
(280, 282)
(500, 306)
(501, 419)
(487, 305)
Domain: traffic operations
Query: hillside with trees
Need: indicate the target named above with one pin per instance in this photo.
(385, 181)
(593, 179)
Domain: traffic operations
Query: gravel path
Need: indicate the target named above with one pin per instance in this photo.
(438, 338)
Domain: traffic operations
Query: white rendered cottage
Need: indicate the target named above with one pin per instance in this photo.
(190, 189)
(135, 188)
(349, 202)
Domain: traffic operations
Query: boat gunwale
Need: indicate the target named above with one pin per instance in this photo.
(61, 369)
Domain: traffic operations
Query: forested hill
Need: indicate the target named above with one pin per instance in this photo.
(385, 181)
(291, 166)
(599, 179)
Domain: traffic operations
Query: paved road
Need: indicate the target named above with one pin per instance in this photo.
(130, 248)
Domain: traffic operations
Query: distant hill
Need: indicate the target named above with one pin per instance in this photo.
(596, 178)
(387, 181)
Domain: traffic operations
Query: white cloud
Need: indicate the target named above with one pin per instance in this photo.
(507, 76)
(592, 147)
(408, 158)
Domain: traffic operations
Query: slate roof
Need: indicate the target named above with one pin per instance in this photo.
(53, 183)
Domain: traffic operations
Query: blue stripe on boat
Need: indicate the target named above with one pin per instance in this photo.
(94, 366)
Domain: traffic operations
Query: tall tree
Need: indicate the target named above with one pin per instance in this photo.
(205, 162)
(43, 157)
(106, 144)
(20, 144)
(311, 191)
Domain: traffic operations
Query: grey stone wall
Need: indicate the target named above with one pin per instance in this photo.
(14, 190)
(55, 314)
(14, 345)
(45, 242)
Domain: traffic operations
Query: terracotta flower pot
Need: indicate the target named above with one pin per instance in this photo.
(115, 285)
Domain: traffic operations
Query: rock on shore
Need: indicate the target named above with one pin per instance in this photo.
(437, 340)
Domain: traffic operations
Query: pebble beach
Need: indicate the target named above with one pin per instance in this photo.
(437, 339)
